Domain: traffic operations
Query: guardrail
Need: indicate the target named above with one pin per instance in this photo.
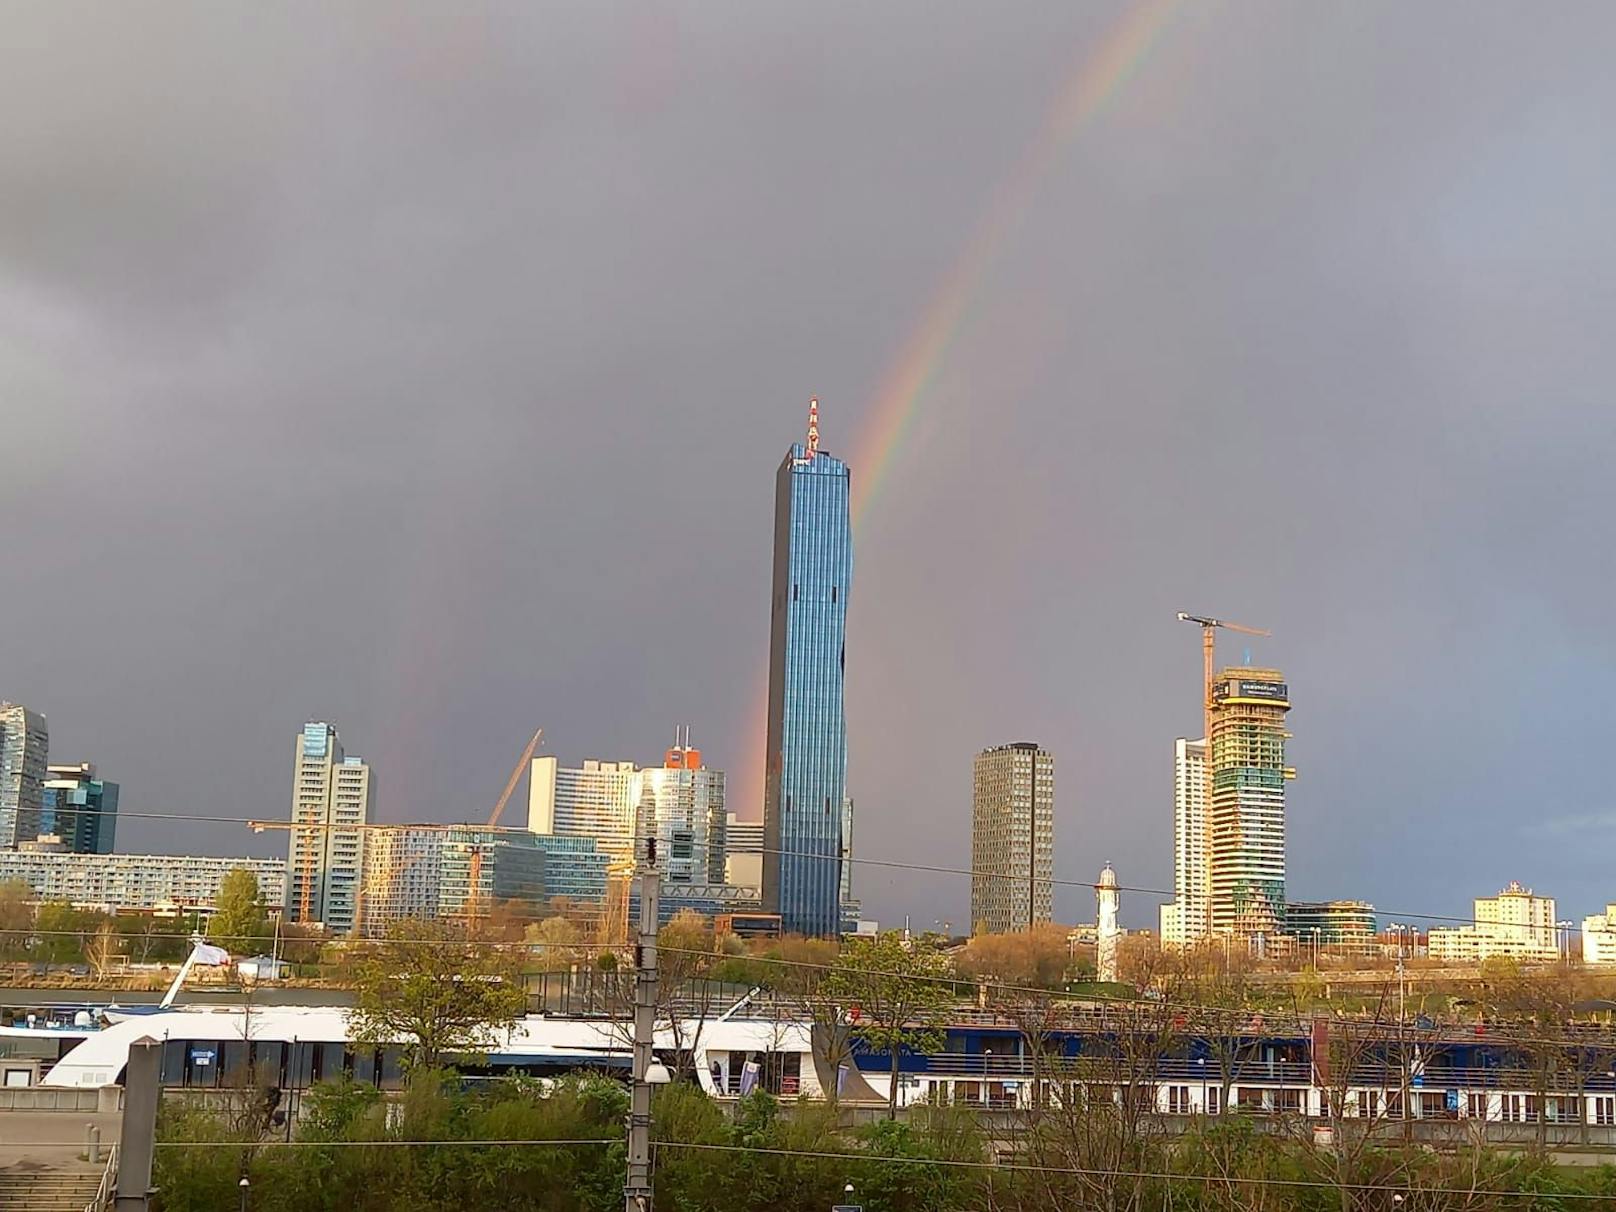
(109, 1184)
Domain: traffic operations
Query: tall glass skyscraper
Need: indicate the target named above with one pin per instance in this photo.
(806, 780)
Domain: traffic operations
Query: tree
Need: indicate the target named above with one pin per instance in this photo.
(895, 994)
(16, 917)
(431, 988)
(1036, 957)
(554, 942)
(240, 922)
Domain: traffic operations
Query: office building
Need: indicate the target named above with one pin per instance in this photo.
(482, 868)
(331, 805)
(1599, 937)
(1247, 808)
(598, 800)
(113, 883)
(79, 808)
(24, 743)
(805, 759)
(743, 841)
(1012, 838)
(430, 871)
(1186, 919)
(575, 868)
(1514, 923)
(681, 804)
(1347, 927)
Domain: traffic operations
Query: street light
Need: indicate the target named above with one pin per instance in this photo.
(1200, 1064)
(245, 1187)
(656, 1074)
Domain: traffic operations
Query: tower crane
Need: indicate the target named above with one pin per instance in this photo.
(1209, 629)
(472, 895)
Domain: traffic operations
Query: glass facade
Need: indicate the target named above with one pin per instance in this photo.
(24, 740)
(574, 867)
(80, 809)
(806, 779)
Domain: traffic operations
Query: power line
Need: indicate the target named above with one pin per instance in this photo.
(284, 826)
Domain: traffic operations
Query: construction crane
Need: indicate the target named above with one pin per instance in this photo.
(493, 818)
(1209, 629)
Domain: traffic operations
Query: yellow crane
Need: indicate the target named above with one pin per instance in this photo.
(1209, 628)
(472, 894)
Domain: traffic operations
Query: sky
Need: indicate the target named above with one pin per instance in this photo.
(425, 368)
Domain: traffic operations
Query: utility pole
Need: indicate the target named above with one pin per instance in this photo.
(637, 1191)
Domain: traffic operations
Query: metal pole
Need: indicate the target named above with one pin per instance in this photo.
(637, 1190)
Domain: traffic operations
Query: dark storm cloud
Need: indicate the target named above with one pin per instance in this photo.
(426, 369)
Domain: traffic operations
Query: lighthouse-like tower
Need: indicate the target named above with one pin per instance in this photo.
(1109, 901)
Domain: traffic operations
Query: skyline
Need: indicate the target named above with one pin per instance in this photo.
(306, 436)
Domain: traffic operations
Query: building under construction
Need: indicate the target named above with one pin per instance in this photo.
(1246, 752)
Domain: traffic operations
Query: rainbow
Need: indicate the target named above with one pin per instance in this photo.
(1086, 92)
(1091, 86)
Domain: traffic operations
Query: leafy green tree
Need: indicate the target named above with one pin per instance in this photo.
(895, 993)
(240, 921)
(16, 917)
(438, 992)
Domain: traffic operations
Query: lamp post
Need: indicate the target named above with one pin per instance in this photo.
(1200, 1064)
(245, 1187)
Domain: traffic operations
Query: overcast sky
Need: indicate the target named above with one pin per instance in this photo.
(425, 368)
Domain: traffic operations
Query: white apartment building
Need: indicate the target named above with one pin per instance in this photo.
(114, 882)
(1012, 838)
(1599, 937)
(1514, 923)
(598, 800)
(331, 798)
(402, 867)
(1185, 919)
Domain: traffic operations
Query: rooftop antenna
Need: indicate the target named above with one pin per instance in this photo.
(813, 427)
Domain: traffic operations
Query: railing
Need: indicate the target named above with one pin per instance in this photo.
(109, 1184)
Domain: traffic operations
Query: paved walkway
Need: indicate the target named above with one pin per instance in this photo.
(53, 1140)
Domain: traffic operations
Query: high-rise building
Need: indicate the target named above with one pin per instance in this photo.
(1247, 752)
(805, 780)
(598, 800)
(331, 800)
(24, 742)
(1186, 919)
(1012, 838)
(681, 804)
(79, 808)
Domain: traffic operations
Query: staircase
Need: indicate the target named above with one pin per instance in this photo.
(48, 1190)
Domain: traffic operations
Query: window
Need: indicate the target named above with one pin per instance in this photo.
(1604, 1109)
(1476, 1106)
(1178, 1100)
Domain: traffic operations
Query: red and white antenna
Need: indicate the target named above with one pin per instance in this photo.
(813, 427)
